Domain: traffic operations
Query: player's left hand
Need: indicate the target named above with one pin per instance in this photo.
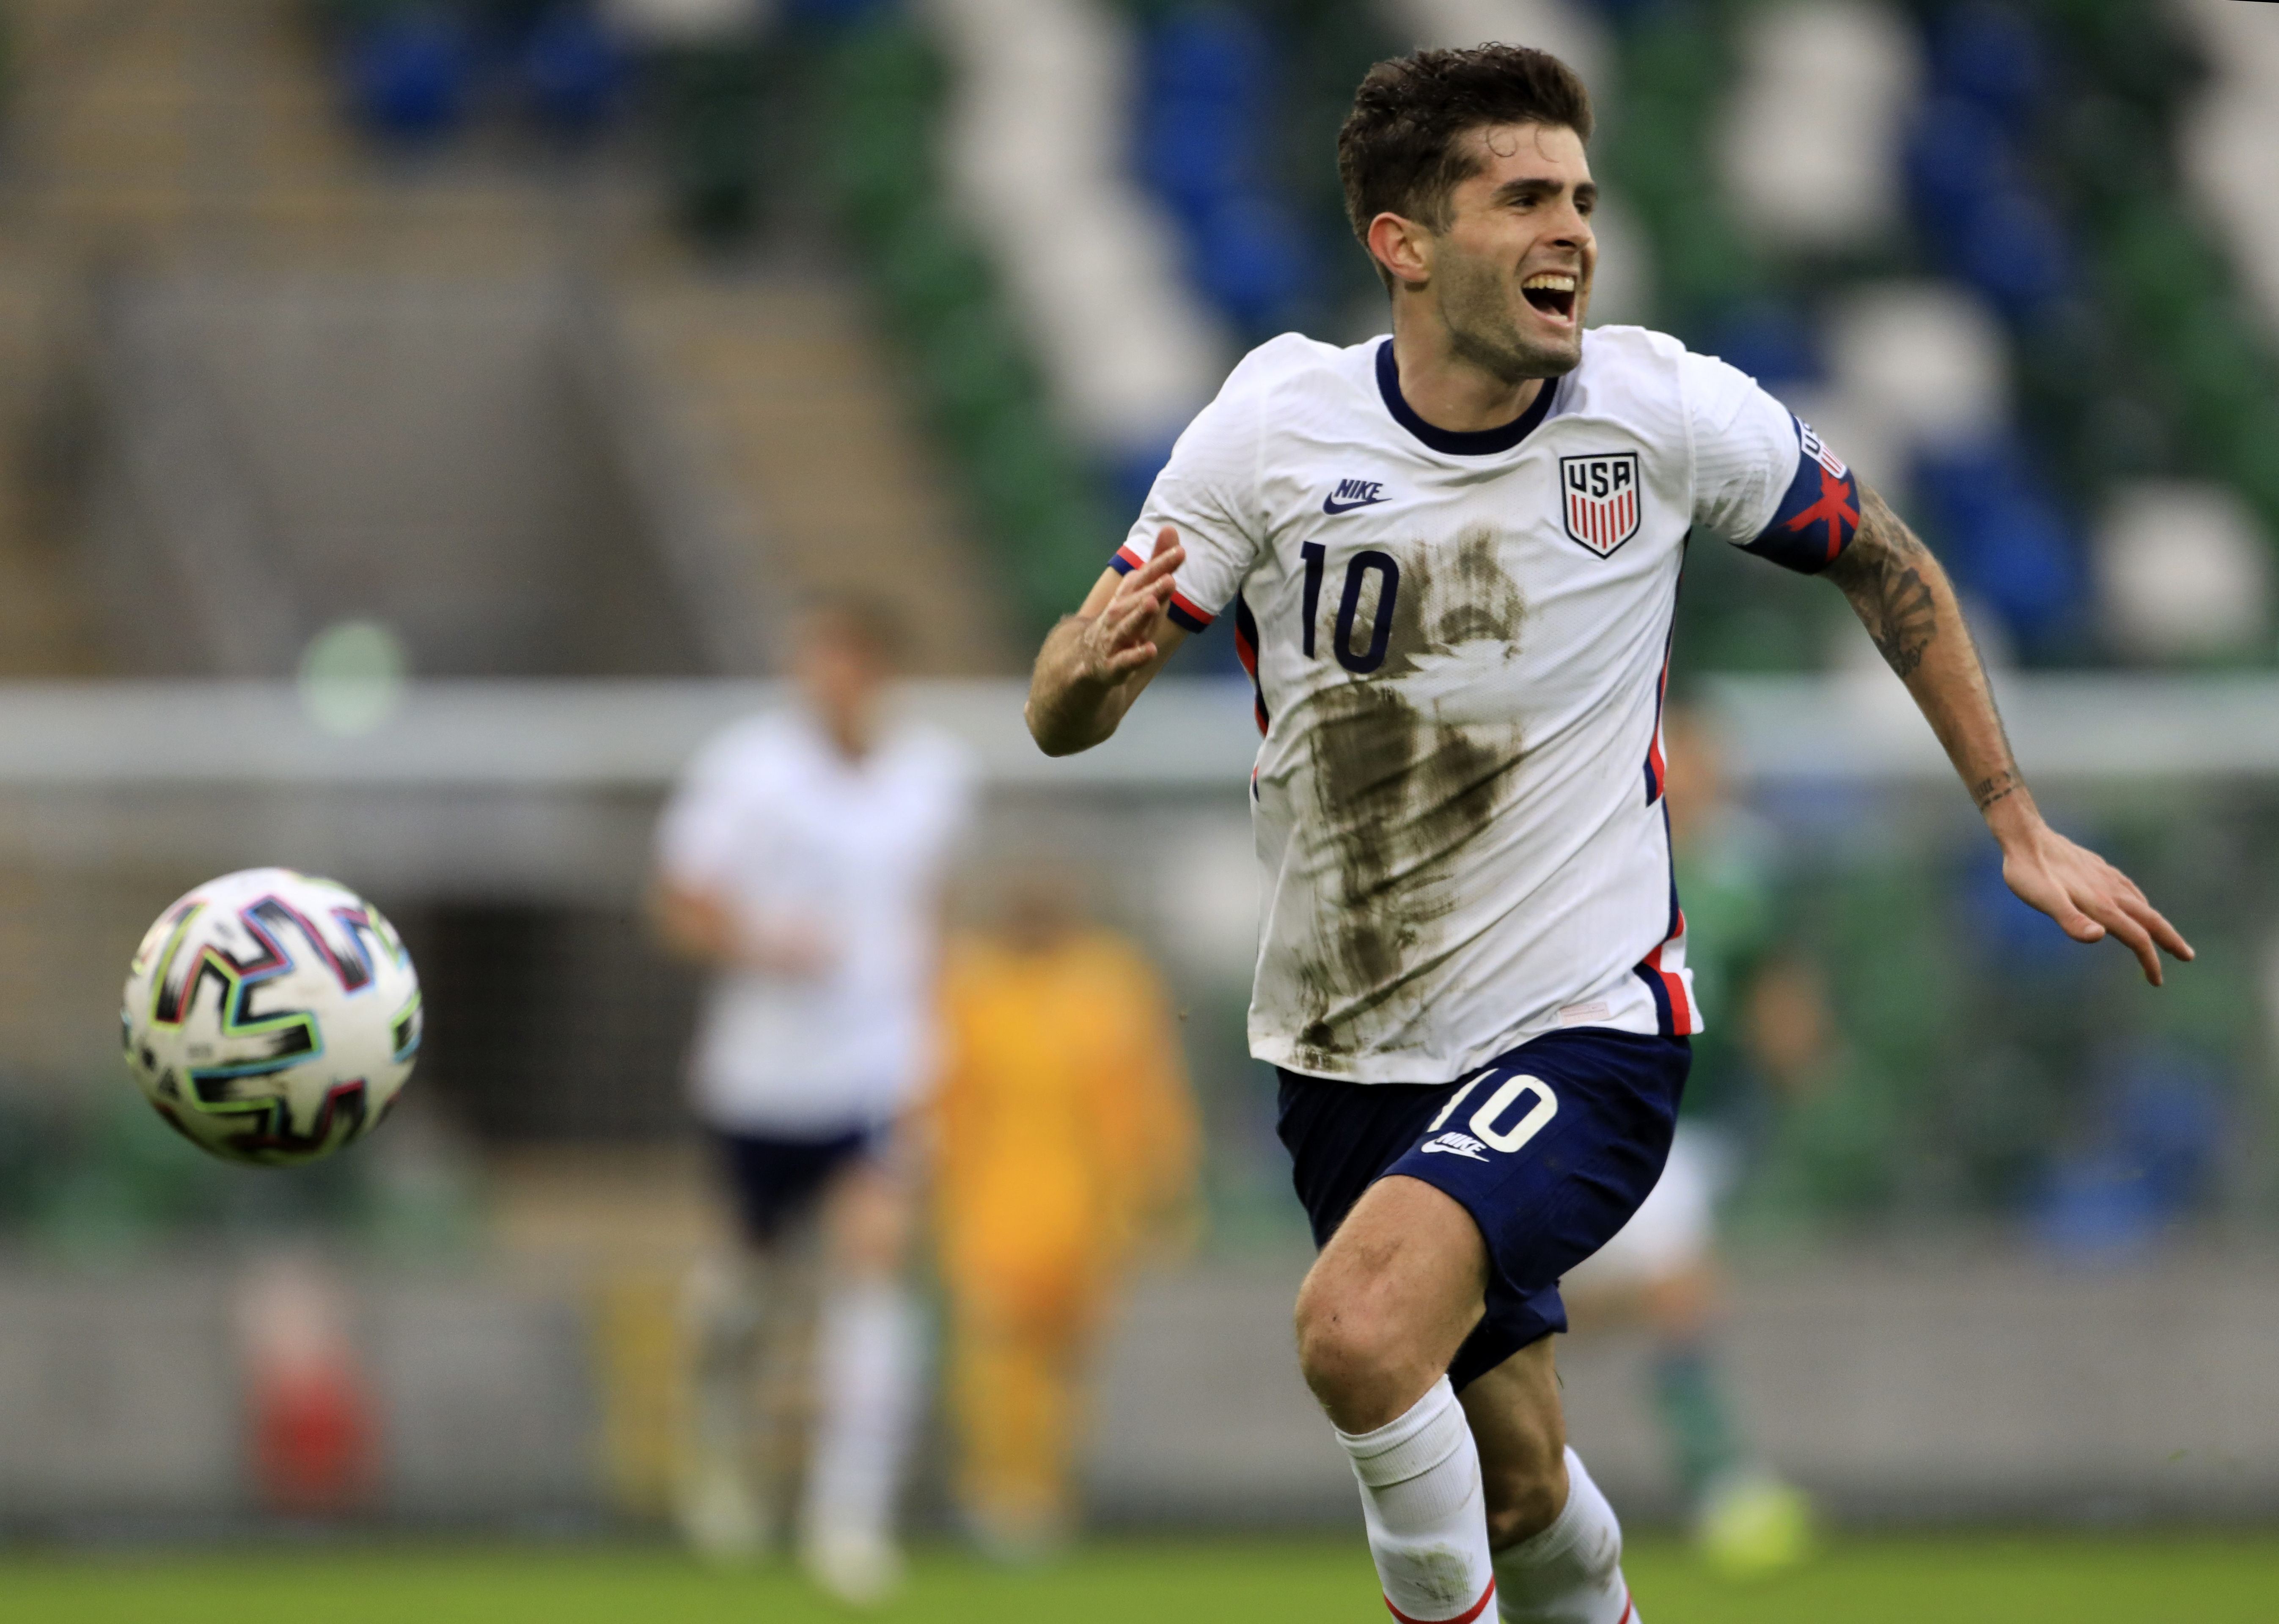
(2088, 897)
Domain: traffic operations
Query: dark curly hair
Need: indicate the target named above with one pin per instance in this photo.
(1401, 152)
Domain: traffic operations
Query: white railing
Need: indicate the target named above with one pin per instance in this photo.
(1187, 735)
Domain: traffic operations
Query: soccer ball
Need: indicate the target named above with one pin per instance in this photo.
(272, 1016)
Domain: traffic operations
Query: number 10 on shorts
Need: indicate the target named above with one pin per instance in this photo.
(1542, 1105)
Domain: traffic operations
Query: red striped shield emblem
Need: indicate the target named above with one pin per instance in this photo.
(1600, 499)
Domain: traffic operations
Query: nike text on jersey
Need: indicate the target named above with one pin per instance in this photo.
(1353, 493)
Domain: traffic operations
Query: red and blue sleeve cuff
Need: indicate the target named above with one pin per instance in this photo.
(1185, 611)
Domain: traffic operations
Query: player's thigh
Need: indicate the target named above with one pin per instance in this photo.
(1521, 1431)
(1400, 1284)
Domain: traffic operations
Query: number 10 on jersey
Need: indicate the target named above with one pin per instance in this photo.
(1364, 564)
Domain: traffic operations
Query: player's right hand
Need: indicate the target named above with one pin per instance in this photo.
(1120, 640)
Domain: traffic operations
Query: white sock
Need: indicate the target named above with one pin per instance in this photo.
(1420, 1496)
(867, 1356)
(1572, 1572)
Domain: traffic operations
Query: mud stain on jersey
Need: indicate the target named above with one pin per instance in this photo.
(1399, 792)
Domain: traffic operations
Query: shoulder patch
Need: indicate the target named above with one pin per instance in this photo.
(1818, 514)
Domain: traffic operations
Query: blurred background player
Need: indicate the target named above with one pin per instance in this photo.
(1067, 1138)
(802, 858)
(1660, 1271)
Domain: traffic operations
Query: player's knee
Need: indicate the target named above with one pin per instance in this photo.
(1354, 1357)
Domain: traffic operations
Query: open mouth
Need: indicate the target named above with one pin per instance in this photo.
(1552, 292)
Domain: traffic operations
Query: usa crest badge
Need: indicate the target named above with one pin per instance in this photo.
(1599, 499)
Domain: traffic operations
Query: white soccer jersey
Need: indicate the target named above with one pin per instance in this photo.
(1460, 643)
(776, 823)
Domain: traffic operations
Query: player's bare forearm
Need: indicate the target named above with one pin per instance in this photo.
(1097, 661)
(704, 931)
(1071, 709)
(1905, 601)
(693, 925)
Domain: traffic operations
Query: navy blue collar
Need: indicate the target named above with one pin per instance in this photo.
(1458, 442)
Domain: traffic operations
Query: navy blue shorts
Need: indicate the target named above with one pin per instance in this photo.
(775, 1183)
(1550, 1147)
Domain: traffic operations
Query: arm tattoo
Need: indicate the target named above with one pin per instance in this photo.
(1881, 573)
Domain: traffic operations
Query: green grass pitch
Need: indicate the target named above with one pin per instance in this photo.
(2114, 1579)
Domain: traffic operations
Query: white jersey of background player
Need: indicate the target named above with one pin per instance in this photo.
(1466, 180)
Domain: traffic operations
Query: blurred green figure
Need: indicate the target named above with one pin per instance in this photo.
(1661, 1270)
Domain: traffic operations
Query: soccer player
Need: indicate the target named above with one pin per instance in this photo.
(1451, 557)
(1065, 1139)
(802, 859)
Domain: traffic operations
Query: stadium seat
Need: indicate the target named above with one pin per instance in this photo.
(877, 187)
(882, 90)
(1132, 475)
(879, 68)
(931, 274)
(2012, 246)
(1194, 151)
(2216, 361)
(1252, 259)
(2114, 155)
(1821, 99)
(1705, 265)
(573, 71)
(2143, 1162)
(1034, 500)
(830, 13)
(1772, 340)
(2245, 449)
(1993, 55)
(2185, 573)
(2130, 49)
(2007, 540)
(977, 379)
(409, 75)
(712, 100)
(1204, 141)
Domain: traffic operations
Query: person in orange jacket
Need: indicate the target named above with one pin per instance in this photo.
(1066, 1139)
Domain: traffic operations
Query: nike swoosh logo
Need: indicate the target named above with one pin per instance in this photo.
(1438, 1149)
(1331, 504)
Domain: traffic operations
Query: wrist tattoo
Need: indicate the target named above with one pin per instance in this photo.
(2000, 787)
